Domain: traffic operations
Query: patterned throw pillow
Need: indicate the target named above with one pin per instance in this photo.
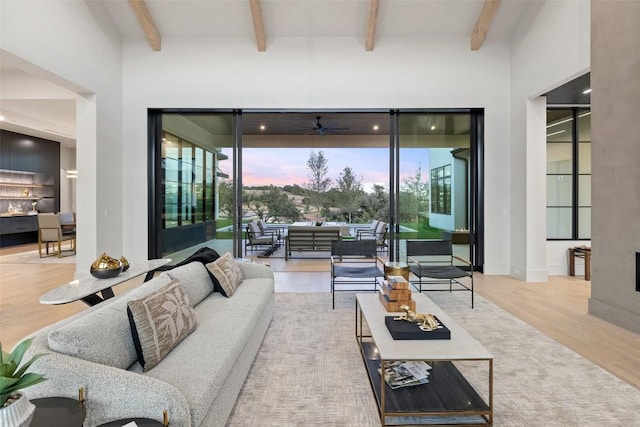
(226, 270)
(159, 321)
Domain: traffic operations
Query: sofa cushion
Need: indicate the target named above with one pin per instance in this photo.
(196, 280)
(103, 335)
(159, 321)
(226, 270)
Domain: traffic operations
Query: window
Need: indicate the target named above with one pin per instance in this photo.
(569, 174)
(188, 182)
(441, 190)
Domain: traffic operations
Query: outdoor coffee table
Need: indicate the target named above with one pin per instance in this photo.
(448, 398)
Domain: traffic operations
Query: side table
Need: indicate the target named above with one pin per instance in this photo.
(58, 412)
(140, 422)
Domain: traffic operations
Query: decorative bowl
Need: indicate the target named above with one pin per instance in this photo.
(125, 263)
(105, 267)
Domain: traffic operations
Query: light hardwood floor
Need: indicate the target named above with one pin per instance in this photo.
(557, 308)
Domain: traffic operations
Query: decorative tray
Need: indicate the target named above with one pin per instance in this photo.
(403, 330)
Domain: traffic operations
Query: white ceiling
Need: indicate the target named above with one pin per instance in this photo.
(317, 18)
(54, 119)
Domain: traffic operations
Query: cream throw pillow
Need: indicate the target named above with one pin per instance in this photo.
(226, 270)
(159, 321)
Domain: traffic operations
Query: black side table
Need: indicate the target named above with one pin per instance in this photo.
(141, 422)
(58, 412)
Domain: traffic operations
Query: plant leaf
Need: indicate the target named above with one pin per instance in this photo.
(6, 383)
(19, 351)
(7, 369)
(24, 367)
(24, 382)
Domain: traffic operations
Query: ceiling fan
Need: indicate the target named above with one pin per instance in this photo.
(321, 129)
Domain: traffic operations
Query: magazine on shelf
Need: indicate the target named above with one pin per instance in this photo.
(406, 373)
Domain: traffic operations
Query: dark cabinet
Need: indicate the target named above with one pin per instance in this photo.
(28, 153)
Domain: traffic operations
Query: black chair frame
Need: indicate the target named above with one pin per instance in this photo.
(270, 240)
(354, 262)
(433, 260)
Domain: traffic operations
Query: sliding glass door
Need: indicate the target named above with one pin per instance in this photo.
(212, 172)
(193, 193)
(437, 178)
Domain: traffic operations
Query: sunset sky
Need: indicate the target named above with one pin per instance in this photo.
(282, 166)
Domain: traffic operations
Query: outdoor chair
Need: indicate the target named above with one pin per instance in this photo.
(432, 261)
(50, 231)
(278, 230)
(371, 228)
(254, 236)
(379, 235)
(354, 262)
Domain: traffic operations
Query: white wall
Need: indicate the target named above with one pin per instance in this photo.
(68, 43)
(318, 73)
(550, 50)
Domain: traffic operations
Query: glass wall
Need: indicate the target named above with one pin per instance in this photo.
(212, 172)
(435, 179)
(195, 165)
(569, 174)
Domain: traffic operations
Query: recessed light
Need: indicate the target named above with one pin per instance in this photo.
(376, 127)
(262, 127)
(433, 127)
(586, 91)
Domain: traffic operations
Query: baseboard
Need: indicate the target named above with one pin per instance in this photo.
(614, 314)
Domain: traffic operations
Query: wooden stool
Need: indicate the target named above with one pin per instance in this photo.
(580, 252)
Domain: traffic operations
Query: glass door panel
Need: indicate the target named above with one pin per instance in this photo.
(315, 167)
(196, 191)
(435, 180)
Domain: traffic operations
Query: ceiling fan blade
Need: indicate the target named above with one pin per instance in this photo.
(330, 125)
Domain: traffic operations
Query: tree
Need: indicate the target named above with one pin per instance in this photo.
(376, 205)
(255, 202)
(279, 205)
(225, 198)
(350, 192)
(420, 190)
(319, 182)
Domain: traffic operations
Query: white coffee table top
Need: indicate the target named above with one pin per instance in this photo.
(461, 346)
(80, 288)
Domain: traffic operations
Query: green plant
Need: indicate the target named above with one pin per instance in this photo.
(13, 377)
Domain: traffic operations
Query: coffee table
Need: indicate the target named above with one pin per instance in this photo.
(448, 398)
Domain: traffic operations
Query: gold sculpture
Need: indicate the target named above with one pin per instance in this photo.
(125, 263)
(105, 267)
(427, 322)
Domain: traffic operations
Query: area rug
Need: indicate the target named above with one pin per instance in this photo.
(309, 371)
(32, 257)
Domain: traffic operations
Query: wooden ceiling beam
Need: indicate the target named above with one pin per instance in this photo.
(374, 6)
(146, 21)
(484, 23)
(258, 24)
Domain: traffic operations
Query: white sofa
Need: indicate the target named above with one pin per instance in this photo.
(197, 382)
